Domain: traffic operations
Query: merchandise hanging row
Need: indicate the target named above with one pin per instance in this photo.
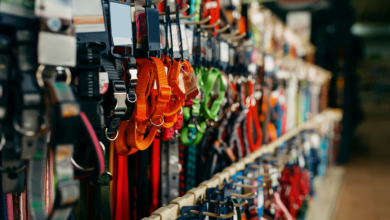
(113, 109)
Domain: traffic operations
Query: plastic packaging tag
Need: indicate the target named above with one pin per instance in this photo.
(56, 49)
(122, 35)
(88, 16)
(190, 83)
(54, 9)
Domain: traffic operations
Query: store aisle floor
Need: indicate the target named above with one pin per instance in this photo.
(365, 193)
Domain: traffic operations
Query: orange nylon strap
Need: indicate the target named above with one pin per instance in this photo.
(148, 73)
(120, 143)
(252, 120)
(178, 97)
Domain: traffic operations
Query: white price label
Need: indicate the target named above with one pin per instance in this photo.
(103, 82)
(224, 52)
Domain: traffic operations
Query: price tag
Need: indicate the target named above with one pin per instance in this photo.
(231, 56)
(140, 24)
(184, 41)
(103, 82)
(162, 36)
(209, 51)
(224, 51)
(175, 37)
(190, 34)
(203, 47)
(217, 50)
(274, 176)
(269, 65)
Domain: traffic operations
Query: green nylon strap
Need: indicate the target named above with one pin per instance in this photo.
(185, 140)
(102, 191)
(209, 79)
(230, 207)
(196, 136)
(80, 211)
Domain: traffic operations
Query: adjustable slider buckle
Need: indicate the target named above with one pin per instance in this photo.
(67, 194)
(133, 74)
(164, 94)
(193, 118)
(120, 98)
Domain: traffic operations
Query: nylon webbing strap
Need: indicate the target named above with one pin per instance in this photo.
(116, 98)
(27, 116)
(169, 170)
(191, 168)
(193, 128)
(143, 190)
(164, 175)
(64, 120)
(101, 189)
(90, 101)
(210, 78)
(253, 125)
(5, 71)
(36, 180)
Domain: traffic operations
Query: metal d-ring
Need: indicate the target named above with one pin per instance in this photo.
(196, 108)
(131, 101)
(38, 75)
(136, 127)
(68, 74)
(25, 132)
(150, 120)
(3, 141)
(78, 167)
(42, 67)
(9, 170)
(198, 128)
(108, 138)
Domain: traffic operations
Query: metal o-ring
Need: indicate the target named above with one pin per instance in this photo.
(23, 131)
(139, 130)
(3, 141)
(68, 75)
(103, 147)
(108, 138)
(128, 98)
(150, 120)
(196, 108)
(40, 80)
(78, 167)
